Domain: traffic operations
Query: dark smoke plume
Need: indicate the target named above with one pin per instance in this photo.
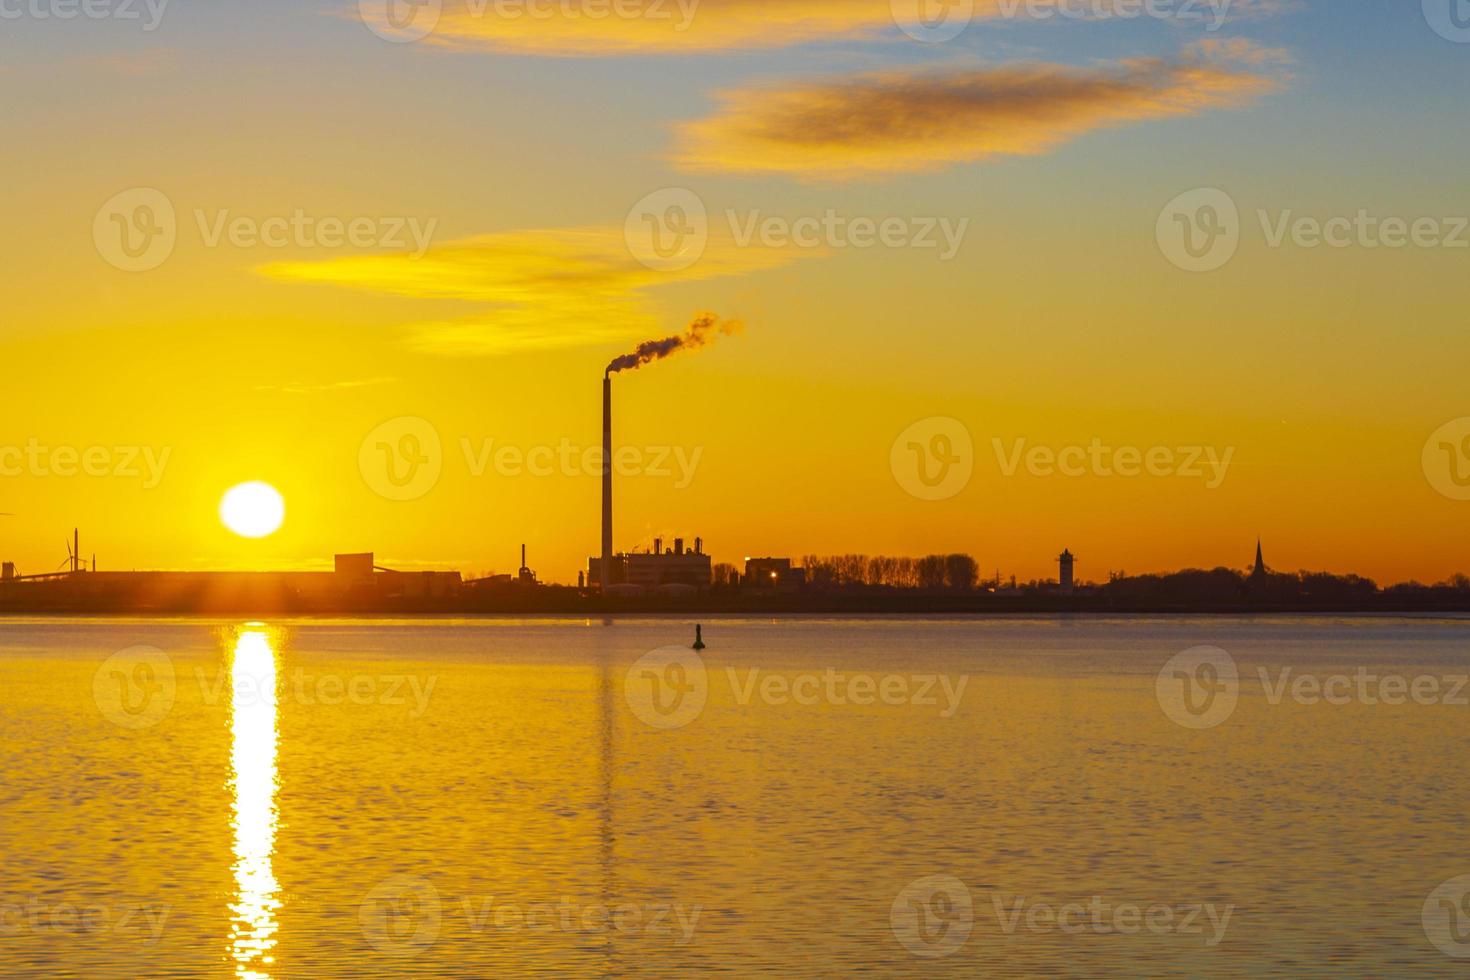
(705, 328)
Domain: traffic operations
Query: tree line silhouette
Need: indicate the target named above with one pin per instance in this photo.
(958, 572)
(961, 573)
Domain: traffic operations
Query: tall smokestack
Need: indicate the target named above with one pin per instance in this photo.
(606, 480)
(704, 328)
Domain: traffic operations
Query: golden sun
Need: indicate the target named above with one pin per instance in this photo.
(252, 510)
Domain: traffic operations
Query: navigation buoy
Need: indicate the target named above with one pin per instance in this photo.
(698, 637)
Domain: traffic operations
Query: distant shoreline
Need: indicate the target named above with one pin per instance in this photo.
(568, 602)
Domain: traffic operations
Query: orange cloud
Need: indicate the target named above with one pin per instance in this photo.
(544, 289)
(618, 27)
(586, 28)
(912, 121)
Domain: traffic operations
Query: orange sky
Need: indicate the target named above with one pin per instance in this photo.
(251, 251)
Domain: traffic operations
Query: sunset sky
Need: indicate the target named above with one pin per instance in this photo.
(519, 150)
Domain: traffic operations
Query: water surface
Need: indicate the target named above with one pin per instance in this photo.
(810, 798)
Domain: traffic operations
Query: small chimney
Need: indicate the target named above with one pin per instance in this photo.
(678, 546)
(699, 546)
(658, 546)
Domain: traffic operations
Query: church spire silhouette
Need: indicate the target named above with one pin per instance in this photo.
(1259, 571)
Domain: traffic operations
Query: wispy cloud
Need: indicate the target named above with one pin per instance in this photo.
(912, 120)
(535, 290)
(620, 27)
(585, 28)
(311, 389)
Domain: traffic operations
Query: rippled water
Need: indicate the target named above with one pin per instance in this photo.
(325, 799)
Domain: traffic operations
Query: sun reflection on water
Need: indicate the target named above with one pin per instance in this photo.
(253, 727)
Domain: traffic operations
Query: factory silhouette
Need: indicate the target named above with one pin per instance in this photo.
(681, 579)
